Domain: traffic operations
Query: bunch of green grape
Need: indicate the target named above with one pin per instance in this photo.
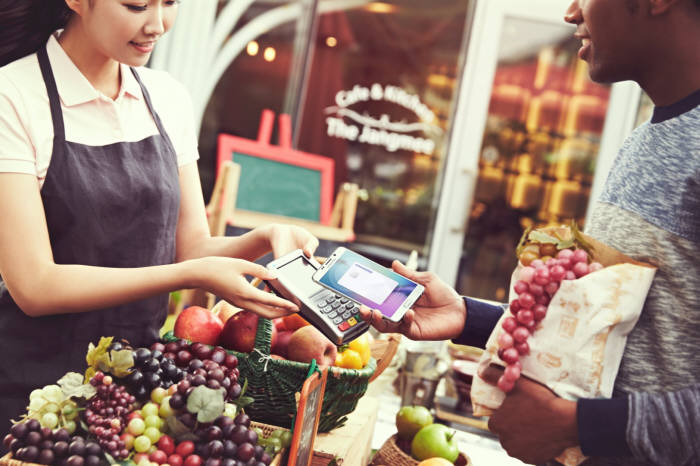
(51, 407)
(278, 439)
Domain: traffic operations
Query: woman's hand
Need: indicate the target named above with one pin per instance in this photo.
(287, 238)
(438, 314)
(226, 278)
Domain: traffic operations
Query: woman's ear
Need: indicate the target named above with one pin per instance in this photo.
(77, 6)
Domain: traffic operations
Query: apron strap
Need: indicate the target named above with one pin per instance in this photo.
(149, 104)
(59, 132)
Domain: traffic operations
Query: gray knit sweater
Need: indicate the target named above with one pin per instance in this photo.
(650, 210)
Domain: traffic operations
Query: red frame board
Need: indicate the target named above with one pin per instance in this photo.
(229, 144)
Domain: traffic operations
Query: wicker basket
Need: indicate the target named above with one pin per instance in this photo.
(267, 430)
(391, 455)
(273, 383)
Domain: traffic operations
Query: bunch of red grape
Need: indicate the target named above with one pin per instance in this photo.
(230, 442)
(106, 414)
(212, 367)
(536, 285)
(31, 443)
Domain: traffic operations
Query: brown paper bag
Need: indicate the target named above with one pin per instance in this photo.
(577, 348)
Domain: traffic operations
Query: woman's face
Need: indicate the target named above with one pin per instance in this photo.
(126, 30)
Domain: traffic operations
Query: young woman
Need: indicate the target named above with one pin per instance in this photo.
(102, 212)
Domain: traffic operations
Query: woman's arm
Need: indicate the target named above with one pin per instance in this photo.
(39, 286)
(194, 239)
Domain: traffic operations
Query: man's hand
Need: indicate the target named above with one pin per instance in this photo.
(533, 424)
(438, 314)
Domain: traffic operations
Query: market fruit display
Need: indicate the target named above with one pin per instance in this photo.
(410, 419)
(547, 257)
(435, 440)
(176, 403)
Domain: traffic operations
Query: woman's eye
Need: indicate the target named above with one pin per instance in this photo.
(172, 2)
(135, 7)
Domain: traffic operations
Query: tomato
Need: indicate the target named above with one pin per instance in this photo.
(185, 448)
(435, 440)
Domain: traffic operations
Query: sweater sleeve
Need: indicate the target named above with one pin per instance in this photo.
(664, 428)
(660, 428)
(481, 320)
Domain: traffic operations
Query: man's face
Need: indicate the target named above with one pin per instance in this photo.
(611, 37)
(127, 30)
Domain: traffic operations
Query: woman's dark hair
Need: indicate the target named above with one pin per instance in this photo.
(25, 25)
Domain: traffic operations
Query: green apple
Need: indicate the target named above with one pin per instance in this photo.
(410, 419)
(435, 440)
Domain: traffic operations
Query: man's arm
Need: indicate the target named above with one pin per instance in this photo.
(481, 320)
(535, 425)
(661, 428)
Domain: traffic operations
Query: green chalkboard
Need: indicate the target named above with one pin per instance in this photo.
(275, 187)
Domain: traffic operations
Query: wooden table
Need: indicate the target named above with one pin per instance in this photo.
(351, 444)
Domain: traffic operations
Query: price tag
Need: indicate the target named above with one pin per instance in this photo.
(308, 414)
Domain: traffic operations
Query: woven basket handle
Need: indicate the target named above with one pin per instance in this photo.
(263, 337)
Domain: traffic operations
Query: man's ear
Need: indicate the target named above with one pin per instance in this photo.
(660, 7)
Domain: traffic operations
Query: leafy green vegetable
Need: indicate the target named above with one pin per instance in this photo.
(541, 237)
(206, 403)
(121, 362)
(178, 430)
(73, 387)
(100, 359)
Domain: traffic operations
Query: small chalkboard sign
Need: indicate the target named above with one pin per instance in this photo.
(279, 180)
(307, 417)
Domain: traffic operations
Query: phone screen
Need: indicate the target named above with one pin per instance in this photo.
(368, 283)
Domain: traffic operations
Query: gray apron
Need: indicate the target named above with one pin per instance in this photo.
(107, 206)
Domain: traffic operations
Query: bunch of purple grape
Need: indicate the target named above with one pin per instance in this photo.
(31, 443)
(231, 442)
(106, 414)
(151, 370)
(212, 367)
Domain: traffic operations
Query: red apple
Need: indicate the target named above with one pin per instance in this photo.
(196, 323)
(239, 332)
(279, 324)
(224, 310)
(281, 343)
(308, 343)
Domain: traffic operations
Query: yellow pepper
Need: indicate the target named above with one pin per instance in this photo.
(361, 345)
(349, 359)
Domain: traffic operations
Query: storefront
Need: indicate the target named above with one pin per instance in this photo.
(463, 122)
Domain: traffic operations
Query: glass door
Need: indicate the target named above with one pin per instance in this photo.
(534, 123)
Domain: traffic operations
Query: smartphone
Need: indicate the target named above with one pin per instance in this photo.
(337, 317)
(358, 278)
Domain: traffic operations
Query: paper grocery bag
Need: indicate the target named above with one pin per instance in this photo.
(577, 348)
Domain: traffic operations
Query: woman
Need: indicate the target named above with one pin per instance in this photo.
(102, 212)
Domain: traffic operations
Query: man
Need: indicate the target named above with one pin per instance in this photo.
(649, 210)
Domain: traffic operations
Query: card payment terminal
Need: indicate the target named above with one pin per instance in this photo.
(337, 317)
